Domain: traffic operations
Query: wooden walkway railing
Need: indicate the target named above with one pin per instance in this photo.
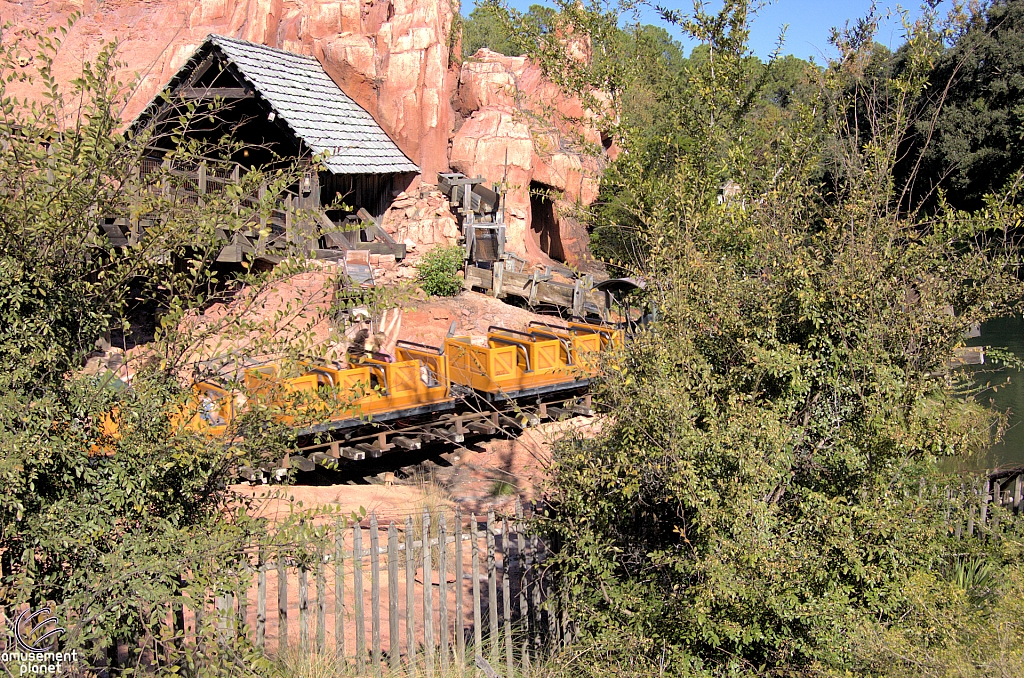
(296, 218)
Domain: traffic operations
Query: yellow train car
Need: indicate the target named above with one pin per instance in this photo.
(611, 337)
(511, 362)
(209, 412)
(368, 386)
(580, 350)
(548, 367)
(321, 391)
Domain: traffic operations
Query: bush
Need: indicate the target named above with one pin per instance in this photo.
(439, 271)
(750, 501)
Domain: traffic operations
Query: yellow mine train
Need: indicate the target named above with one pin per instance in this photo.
(376, 403)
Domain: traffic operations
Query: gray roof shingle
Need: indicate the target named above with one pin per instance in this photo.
(317, 110)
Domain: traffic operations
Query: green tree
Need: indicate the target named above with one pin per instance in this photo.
(485, 27)
(482, 28)
(750, 505)
(106, 524)
(969, 135)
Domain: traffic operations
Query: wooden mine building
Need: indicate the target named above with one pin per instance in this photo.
(283, 106)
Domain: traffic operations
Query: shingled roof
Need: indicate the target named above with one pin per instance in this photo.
(304, 97)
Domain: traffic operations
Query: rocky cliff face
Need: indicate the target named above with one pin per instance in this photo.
(516, 126)
(494, 116)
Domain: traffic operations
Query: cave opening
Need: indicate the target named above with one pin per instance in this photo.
(543, 224)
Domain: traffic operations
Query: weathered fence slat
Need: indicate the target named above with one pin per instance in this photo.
(492, 591)
(261, 600)
(475, 558)
(985, 495)
(506, 594)
(428, 599)
(995, 515)
(339, 591)
(567, 629)
(552, 610)
(375, 592)
(357, 585)
(178, 612)
(949, 496)
(442, 598)
(303, 609)
(410, 592)
(197, 613)
(532, 555)
(242, 618)
(220, 604)
(394, 649)
(321, 603)
(460, 632)
(282, 605)
(524, 601)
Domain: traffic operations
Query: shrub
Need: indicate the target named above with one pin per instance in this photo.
(439, 271)
(502, 488)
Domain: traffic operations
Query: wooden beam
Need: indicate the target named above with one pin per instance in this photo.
(407, 443)
(212, 92)
(201, 69)
(486, 427)
(352, 454)
(369, 450)
(302, 463)
(381, 248)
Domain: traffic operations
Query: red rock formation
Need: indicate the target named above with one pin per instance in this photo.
(421, 217)
(389, 55)
(502, 119)
(521, 128)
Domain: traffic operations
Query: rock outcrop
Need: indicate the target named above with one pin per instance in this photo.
(421, 218)
(494, 116)
(391, 56)
(520, 128)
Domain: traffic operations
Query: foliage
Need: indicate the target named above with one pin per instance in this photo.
(502, 488)
(485, 27)
(751, 500)
(113, 527)
(439, 271)
(948, 631)
(968, 139)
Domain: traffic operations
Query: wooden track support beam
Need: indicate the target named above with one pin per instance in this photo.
(352, 454)
(407, 443)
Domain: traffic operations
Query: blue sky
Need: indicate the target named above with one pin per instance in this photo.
(809, 22)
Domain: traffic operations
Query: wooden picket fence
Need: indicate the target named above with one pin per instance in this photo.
(422, 592)
(984, 505)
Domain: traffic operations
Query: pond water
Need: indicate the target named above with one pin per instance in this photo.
(1004, 333)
